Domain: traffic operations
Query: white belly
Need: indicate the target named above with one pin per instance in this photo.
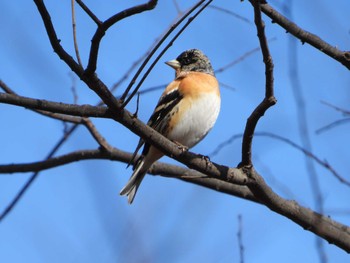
(196, 121)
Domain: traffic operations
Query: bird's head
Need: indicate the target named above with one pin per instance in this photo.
(191, 60)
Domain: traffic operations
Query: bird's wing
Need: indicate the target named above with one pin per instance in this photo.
(160, 117)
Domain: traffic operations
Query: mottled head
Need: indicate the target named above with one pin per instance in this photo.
(191, 60)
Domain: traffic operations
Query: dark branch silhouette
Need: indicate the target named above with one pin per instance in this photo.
(269, 99)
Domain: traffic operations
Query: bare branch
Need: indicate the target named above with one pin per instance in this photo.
(240, 241)
(332, 125)
(55, 42)
(32, 178)
(102, 29)
(96, 135)
(76, 48)
(323, 226)
(307, 153)
(229, 12)
(344, 111)
(155, 48)
(269, 99)
(89, 12)
(56, 107)
(158, 168)
(241, 58)
(93, 82)
(305, 36)
(53, 115)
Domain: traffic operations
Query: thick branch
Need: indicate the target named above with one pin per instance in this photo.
(56, 107)
(121, 156)
(190, 159)
(323, 226)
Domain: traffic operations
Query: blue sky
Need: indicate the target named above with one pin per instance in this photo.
(74, 213)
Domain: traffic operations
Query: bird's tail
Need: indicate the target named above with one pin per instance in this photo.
(135, 180)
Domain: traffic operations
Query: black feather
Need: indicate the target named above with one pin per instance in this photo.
(159, 118)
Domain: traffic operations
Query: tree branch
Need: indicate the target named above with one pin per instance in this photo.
(102, 29)
(91, 80)
(164, 49)
(320, 225)
(56, 107)
(269, 99)
(89, 12)
(306, 37)
(323, 226)
(114, 154)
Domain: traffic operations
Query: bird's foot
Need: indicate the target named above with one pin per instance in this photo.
(206, 159)
(183, 148)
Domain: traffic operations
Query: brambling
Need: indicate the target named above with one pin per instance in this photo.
(185, 113)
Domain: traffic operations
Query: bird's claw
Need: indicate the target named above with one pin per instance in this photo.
(181, 147)
(206, 159)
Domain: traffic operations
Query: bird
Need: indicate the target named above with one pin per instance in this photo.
(185, 112)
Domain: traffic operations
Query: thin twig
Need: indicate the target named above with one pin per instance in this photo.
(177, 7)
(241, 58)
(225, 143)
(337, 122)
(154, 49)
(76, 48)
(89, 12)
(240, 239)
(229, 12)
(308, 154)
(96, 135)
(102, 29)
(34, 176)
(332, 125)
(74, 88)
(344, 111)
(163, 51)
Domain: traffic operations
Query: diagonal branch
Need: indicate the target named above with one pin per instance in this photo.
(323, 226)
(156, 47)
(306, 37)
(164, 49)
(89, 12)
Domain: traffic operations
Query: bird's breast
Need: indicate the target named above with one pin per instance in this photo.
(194, 118)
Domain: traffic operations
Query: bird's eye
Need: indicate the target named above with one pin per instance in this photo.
(188, 59)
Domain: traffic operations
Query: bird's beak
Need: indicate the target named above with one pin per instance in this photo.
(174, 64)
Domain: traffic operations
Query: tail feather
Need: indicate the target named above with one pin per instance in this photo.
(134, 182)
